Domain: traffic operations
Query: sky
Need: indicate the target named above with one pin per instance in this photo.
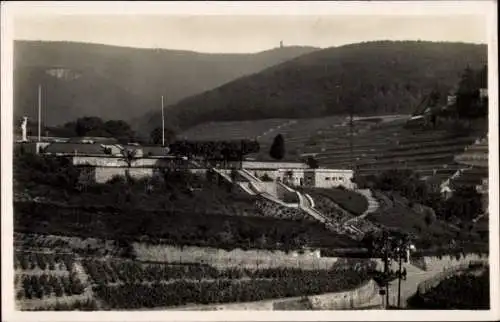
(245, 34)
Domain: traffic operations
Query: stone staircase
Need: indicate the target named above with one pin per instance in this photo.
(271, 191)
(373, 204)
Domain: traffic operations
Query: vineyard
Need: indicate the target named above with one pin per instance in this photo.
(63, 282)
(120, 271)
(134, 285)
(48, 280)
(221, 291)
(43, 261)
(29, 241)
(45, 285)
(79, 305)
(65, 244)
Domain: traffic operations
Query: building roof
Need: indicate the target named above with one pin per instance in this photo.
(155, 151)
(72, 148)
(318, 170)
(97, 149)
(96, 139)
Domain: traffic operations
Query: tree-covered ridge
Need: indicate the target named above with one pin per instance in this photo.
(380, 77)
(113, 82)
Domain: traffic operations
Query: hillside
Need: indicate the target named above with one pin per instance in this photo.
(373, 78)
(122, 83)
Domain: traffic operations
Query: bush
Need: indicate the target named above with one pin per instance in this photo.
(290, 197)
(462, 292)
(266, 178)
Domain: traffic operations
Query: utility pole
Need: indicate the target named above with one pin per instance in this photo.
(387, 272)
(162, 123)
(351, 137)
(400, 253)
(39, 113)
(402, 250)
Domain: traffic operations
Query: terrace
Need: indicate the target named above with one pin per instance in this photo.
(231, 130)
(297, 134)
(471, 177)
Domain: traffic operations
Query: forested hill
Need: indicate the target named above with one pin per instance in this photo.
(373, 78)
(122, 83)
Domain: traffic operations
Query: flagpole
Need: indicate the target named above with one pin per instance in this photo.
(162, 124)
(39, 112)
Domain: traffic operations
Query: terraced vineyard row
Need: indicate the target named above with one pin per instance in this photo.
(119, 271)
(134, 295)
(44, 286)
(122, 284)
(43, 261)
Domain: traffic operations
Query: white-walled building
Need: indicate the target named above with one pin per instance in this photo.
(300, 174)
(318, 178)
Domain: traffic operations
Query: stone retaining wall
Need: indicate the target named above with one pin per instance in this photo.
(233, 258)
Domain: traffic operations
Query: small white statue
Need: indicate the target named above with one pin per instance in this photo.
(23, 128)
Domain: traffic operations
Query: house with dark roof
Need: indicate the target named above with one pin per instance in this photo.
(74, 149)
(105, 161)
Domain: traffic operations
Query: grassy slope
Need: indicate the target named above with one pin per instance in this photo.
(347, 199)
(434, 233)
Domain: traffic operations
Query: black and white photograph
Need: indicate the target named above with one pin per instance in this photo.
(281, 159)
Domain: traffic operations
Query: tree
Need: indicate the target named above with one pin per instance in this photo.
(312, 163)
(210, 175)
(467, 81)
(234, 175)
(465, 204)
(483, 77)
(155, 137)
(389, 246)
(126, 248)
(87, 124)
(289, 176)
(129, 156)
(468, 102)
(118, 129)
(277, 151)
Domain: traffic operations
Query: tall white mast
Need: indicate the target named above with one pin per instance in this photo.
(39, 112)
(162, 123)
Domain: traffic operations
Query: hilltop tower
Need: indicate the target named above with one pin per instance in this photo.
(281, 44)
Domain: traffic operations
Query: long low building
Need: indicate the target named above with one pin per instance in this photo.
(103, 162)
